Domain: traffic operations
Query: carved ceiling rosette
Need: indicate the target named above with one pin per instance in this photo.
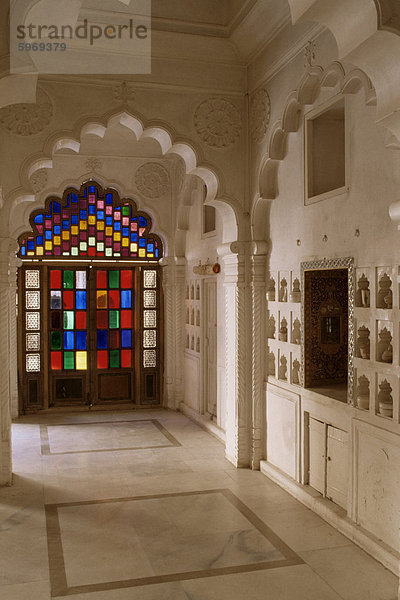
(152, 180)
(218, 122)
(260, 112)
(27, 118)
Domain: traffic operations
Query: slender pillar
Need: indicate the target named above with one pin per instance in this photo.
(169, 332)
(5, 416)
(12, 278)
(180, 277)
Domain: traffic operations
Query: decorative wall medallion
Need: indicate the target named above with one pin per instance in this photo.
(152, 180)
(93, 164)
(38, 180)
(123, 93)
(218, 122)
(27, 118)
(260, 112)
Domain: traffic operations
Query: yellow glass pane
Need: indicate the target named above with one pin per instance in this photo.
(100, 225)
(142, 252)
(81, 361)
(49, 245)
(117, 236)
(125, 241)
(65, 235)
(39, 251)
(30, 253)
(92, 220)
(101, 299)
(109, 230)
(83, 224)
(133, 247)
(150, 255)
(57, 240)
(74, 230)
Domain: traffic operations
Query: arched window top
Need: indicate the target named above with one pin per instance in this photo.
(90, 223)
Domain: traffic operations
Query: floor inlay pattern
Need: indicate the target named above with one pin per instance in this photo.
(155, 539)
(105, 436)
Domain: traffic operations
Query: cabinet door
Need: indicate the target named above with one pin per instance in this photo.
(337, 469)
(317, 455)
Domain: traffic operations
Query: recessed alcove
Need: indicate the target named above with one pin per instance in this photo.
(384, 297)
(271, 327)
(271, 364)
(363, 342)
(363, 293)
(282, 370)
(296, 332)
(363, 392)
(384, 348)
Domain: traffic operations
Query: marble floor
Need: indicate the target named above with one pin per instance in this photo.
(144, 506)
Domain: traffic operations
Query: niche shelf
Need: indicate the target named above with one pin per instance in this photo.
(271, 327)
(296, 332)
(283, 368)
(384, 296)
(271, 290)
(363, 292)
(362, 396)
(271, 364)
(384, 348)
(363, 342)
(384, 401)
(283, 330)
(283, 288)
(295, 294)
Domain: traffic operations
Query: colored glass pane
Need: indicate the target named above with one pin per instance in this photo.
(114, 338)
(101, 299)
(55, 280)
(68, 319)
(55, 340)
(126, 358)
(80, 280)
(113, 316)
(80, 300)
(68, 299)
(55, 319)
(101, 279)
(81, 361)
(81, 340)
(113, 279)
(126, 338)
(126, 299)
(80, 321)
(102, 359)
(69, 340)
(126, 318)
(55, 300)
(102, 340)
(68, 280)
(102, 319)
(126, 279)
(113, 298)
(56, 361)
(69, 361)
(114, 359)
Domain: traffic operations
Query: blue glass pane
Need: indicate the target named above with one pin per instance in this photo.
(83, 214)
(38, 219)
(65, 224)
(92, 189)
(57, 230)
(126, 298)
(109, 198)
(48, 235)
(125, 231)
(81, 340)
(74, 220)
(80, 300)
(39, 240)
(102, 340)
(150, 247)
(142, 222)
(133, 237)
(92, 209)
(126, 338)
(31, 245)
(142, 243)
(100, 215)
(23, 251)
(108, 220)
(117, 226)
(156, 252)
(74, 197)
(68, 340)
(56, 207)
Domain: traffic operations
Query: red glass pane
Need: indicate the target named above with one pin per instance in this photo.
(92, 251)
(126, 319)
(55, 280)
(102, 359)
(113, 339)
(56, 361)
(80, 319)
(68, 299)
(126, 358)
(126, 279)
(101, 280)
(102, 319)
(113, 299)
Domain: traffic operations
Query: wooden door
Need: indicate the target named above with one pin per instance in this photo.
(210, 359)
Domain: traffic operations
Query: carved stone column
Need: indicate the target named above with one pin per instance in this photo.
(12, 278)
(169, 332)
(237, 355)
(5, 417)
(258, 305)
(180, 277)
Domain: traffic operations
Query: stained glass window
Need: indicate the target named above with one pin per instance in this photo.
(91, 223)
(149, 318)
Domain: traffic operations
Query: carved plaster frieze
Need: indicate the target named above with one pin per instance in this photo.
(152, 180)
(218, 122)
(93, 164)
(38, 180)
(123, 93)
(27, 118)
(260, 112)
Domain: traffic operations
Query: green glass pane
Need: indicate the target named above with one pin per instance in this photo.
(114, 359)
(113, 317)
(56, 340)
(68, 319)
(113, 279)
(125, 211)
(68, 280)
(69, 360)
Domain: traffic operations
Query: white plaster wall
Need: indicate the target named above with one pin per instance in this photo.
(283, 430)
